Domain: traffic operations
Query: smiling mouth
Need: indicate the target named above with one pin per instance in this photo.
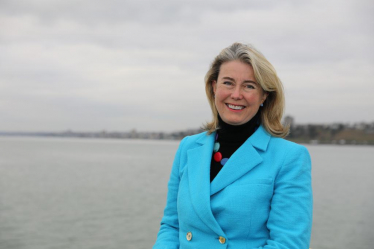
(235, 107)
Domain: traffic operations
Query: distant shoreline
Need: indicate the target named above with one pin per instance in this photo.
(335, 134)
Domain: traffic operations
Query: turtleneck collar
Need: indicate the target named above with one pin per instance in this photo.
(237, 133)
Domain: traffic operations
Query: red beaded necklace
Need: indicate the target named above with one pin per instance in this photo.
(217, 156)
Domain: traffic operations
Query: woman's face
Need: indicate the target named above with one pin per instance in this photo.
(237, 94)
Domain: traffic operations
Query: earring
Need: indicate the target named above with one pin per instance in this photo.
(262, 105)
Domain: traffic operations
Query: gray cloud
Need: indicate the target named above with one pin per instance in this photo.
(147, 12)
(119, 65)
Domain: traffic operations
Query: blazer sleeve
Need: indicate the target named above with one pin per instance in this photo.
(168, 235)
(290, 218)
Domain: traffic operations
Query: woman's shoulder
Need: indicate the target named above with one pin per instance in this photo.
(192, 141)
(287, 146)
(289, 150)
(263, 140)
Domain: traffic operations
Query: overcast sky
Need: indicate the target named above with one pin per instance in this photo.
(119, 65)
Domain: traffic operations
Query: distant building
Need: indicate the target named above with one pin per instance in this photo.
(288, 120)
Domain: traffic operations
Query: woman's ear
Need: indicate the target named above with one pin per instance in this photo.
(264, 96)
(214, 86)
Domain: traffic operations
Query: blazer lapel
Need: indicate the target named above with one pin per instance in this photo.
(242, 161)
(198, 166)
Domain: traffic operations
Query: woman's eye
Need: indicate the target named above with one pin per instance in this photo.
(227, 83)
(249, 87)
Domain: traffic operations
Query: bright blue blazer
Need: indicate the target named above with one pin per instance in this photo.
(261, 198)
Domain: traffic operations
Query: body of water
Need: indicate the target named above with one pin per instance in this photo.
(97, 193)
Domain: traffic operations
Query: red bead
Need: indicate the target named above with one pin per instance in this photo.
(217, 156)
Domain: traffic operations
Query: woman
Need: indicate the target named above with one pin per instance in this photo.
(239, 184)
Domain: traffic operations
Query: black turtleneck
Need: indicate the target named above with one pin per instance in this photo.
(231, 137)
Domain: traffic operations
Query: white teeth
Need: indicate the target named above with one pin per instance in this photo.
(235, 107)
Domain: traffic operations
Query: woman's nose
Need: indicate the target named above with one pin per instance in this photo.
(236, 94)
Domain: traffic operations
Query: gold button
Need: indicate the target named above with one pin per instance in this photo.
(189, 236)
(222, 240)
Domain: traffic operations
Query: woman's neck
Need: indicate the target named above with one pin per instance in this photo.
(237, 133)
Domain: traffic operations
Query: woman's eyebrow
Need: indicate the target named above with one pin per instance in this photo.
(228, 78)
(250, 81)
(246, 81)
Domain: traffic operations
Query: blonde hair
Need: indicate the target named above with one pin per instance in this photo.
(266, 77)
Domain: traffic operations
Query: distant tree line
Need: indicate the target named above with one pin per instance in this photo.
(336, 133)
